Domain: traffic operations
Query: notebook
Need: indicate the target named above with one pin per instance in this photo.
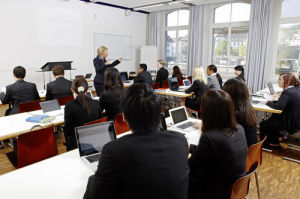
(51, 108)
(180, 118)
(91, 139)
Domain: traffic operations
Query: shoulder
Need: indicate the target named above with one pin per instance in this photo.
(33, 85)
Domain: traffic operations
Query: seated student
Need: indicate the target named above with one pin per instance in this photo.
(148, 163)
(79, 111)
(19, 92)
(288, 120)
(162, 73)
(244, 112)
(60, 87)
(176, 72)
(239, 72)
(214, 80)
(113, 93)
(199, 87)
(143, 76)
(220, 157)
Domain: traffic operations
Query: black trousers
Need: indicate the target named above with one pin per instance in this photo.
(271, 128)
(193, 103)
(99, 88)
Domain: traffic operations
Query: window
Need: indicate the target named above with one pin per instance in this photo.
(176, 39)
(288, 49)
(230, 36)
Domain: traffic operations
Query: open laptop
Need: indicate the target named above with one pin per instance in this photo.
(51, 108)
(88, 76)
(271, 88)
(180, 118)
(186, 83)
(173, 84)
(91, 139)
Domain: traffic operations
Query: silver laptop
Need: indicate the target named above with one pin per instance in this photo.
(271, 88)
(180, 119)
(91, 139)
(51, 108)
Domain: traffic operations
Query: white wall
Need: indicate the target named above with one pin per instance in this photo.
(34, 32)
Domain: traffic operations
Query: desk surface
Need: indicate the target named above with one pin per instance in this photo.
(262, 106)
(172, 93)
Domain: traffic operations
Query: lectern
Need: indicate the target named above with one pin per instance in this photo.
(49, 65)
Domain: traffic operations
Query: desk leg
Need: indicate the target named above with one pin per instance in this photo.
(182, 103)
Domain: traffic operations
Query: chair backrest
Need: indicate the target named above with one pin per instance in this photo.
(104, 119)
(240, 188)
(29, 106)
(79, 77)
(155, 85)
(254, 154)
(63, 100)
(190, 78)
(36, 146)
(165, 84)
(121, 125)
(180, 81)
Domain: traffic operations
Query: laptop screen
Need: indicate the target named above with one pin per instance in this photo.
(178, 115)
(88, 76)
(271, 89)
(186, 82)
(89, 94)
(92, 138)
(49, 106)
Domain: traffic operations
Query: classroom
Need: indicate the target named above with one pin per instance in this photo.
(150, 99)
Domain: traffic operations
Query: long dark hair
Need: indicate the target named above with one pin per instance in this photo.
(80, 86)
(215, 70)
(176, 72)
(113, 81)
(239, 93)
(289, 80)
(240, 68)
(212, 118)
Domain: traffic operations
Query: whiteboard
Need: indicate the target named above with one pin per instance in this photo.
(149, 57)
(118, 45)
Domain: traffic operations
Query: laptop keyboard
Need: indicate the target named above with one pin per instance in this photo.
(93, 158)
(185, 125)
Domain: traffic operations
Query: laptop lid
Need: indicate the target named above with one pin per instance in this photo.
(178, 114)
(92, 138)
(162, 122)
(271, 88)
(173, 84)
(51, 105)
(186, 82)
(88, 76)
(89, 94)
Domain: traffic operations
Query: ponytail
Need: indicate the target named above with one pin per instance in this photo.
(219, 79)
(80, 86)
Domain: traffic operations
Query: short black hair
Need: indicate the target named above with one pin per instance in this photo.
(141, 107)
(19, 72)
(143, 66)
(213, 68)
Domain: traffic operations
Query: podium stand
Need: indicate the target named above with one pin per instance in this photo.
(49, 65)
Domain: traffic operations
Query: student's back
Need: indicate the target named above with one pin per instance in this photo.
(144, 77)
(61, 87)
(110, 102)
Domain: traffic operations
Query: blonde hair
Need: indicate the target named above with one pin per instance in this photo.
(101, 50)
(199, 74)
(161, 62)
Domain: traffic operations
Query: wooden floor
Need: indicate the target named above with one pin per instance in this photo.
(278, 178)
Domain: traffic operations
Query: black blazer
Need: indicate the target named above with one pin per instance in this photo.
(60, 87)
(100, 68)
(241, 77)
(162, 75)
(199, 88)
(111, 103)
(218, 161)
(250, 133)
(19, 92)
(76, 116)
(289, 102)
(144, 77)
(147, 166)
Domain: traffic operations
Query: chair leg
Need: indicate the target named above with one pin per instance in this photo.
(257, 185)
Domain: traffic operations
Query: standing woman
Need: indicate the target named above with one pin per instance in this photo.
(113, 93)
(79, 111)
(214, 79)
(198, 87)
(239, 72)
(101, 64)
(244, 112)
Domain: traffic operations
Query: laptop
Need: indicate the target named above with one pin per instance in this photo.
(91, 139)
(180, 118)
(51, 108)
(186, 83)
(89, 94)
(88, 76)
(173, 84)
(271, 88)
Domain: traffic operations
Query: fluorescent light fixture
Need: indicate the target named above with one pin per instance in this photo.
(149, 6)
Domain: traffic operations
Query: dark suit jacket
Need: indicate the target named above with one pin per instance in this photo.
(19, 92)
(100, 68)
(162, 75)
(218, 161)
(250, 133)
(76, 116)
(289, 102)
(142, 167)
(198, 88)
(144, 77)
(111, 103)
(61, 87)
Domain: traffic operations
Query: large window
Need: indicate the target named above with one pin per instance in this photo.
(230, 36)
(176, 39)
(288, 50)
